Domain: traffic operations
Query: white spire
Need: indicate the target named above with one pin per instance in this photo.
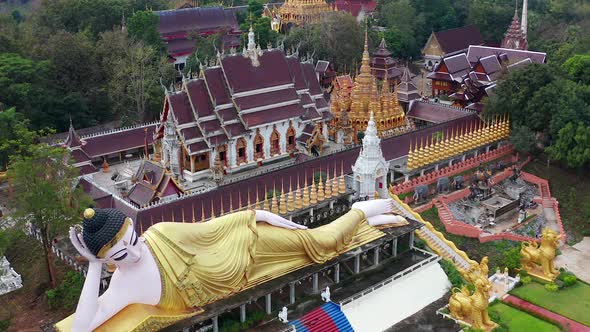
(371, 137)
(251, 40)
(370, 169)
(525, 14)
(252, 52)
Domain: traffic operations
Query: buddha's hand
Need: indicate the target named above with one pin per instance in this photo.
(78, 243)
(378, 211)
(276, 220)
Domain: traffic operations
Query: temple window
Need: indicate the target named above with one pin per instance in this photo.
(291, 139)
(241, 148)
(258, 146)
(222, 150)
(275, 143)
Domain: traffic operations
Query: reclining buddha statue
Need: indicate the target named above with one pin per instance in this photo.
(174, 269)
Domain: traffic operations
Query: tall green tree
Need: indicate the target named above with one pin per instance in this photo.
(143, 26)
(578, 67)
(46, 195)
(572, 145)
(523, 139)
(15, 136)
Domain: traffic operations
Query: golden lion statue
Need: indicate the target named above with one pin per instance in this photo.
(472, 308)
(533, 254)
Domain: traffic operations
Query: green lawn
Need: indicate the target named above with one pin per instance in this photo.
(517, 320)
(572, 302)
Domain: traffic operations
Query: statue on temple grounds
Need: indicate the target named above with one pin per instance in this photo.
(532, 255)
(174, 269)
(473, 307)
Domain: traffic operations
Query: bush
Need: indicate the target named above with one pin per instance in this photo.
(552, 287)
(512, 258)
(419, 243)
(4, 325)
(66, 295)
(404, 195)
(454, 276)
(526, 280)
(569, 280)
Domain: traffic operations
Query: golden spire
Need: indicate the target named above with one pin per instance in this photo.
(257, 203)
(297, 195)
(321, 194)
(221, 207)
(249, 203)
(173, 216)
(341, 183)
(410, 158)
(313, 195)
(212, 211)
(141, 228)
(328, 189)
(182, 211)
(274, 208)
(290, 199)
(202, 212)
(240, 199)
(334, 182)
(265, 202)
(282, 200)
(365, 63)
(231, 208)
(305, 192)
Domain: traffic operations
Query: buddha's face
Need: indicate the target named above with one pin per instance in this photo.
(127, 250)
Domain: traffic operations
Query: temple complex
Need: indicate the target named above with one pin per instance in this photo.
(383, 66)
(361, 98)
(515, 37)
(446, 43)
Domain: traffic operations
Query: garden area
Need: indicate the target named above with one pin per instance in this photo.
(513, 319)
(572, 302)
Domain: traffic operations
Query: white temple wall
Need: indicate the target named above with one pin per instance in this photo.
(398, 300)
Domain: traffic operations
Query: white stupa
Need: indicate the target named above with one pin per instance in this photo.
(370, 169)
(9, 279)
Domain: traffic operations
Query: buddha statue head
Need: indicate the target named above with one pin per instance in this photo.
(109, 235)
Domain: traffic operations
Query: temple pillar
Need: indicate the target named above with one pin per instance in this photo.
(450, 162)
(422, 172)
(192, 158)
(487, 148)
(331, 204)
(316, 288)
(376, 256)
(436, 167)
(412, 240)
(406, 177)
(311, 212)
(242, 313)
(476, 153)
(268, 304)
(463, 157)
(292, 293)
(215, 324)
(337, 273)
(394, 247)
(357, 264)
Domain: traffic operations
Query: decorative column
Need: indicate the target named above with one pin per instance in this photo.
(268, 304)
(337, 273)
(215, 324)
(357, 264)
(291, 292)
(394, 247)
(412, 240)
(315, 282)
(242, 313)
(376, 256)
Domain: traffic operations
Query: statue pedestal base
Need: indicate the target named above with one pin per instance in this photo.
(538, 274)
(469, 322)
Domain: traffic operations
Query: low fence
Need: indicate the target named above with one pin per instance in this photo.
(457, 168)
(430, 260)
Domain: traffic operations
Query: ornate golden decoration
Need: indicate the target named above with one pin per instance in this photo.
(538, 260)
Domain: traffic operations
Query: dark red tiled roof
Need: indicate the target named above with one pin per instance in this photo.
(235, 129)
(87, 169)
(296, 72)
(306, 99)
(149, 173)
(311, 78)
(439, 76)
(141, 195)
(79, 156)
(321, 103)
(218, 139)
(198, 147)
(354, 7)
(242, 76)
(382, 51)
(311, 113)
(477, 52)
(179, 47)
(93, 191)
(321, 66)
(228, 114)
(454, 40)
(490, 64)
(457, 64)
(273, 115)
(199, 96)
(199, 19)
(190, 133)
(216, 85)
(124, 140)
(434, 112)
(72, 140)
(210, 126)
(181, 107)
(267, 98)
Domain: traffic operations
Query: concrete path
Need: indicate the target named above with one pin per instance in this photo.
(576, 259)
(567, 323)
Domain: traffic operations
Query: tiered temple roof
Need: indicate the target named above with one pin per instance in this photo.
(243, 92)
(457, 40)
(301, 12)
(176, 27)
(406, 89)
(514, 37)
(365, 97)
(383, 65)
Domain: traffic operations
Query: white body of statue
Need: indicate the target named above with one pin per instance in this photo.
(326, 294)
(137, 277)
(283, 315)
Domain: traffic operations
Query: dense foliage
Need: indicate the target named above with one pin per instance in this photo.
(66, 295)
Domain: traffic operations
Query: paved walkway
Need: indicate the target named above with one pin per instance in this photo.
(576, 258)
(567, 323)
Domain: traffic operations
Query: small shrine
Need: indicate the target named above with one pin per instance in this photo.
(383, 66)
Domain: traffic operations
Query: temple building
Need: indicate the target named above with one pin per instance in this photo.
(298, 12)
(362, 97)
(383, 66)
(177, 28)
(515, 37)
(250, 108)
(446, 43)
(406, 89)
(325, 73)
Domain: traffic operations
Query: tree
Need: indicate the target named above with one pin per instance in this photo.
(15, 136)
(46, 195)
(143, 26)
(578, 67)
(493, 20)
(572, 145)
(523, 139)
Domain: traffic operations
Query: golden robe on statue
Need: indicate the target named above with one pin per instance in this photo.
(205, 262)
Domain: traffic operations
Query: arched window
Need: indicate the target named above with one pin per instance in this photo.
(258, 146)
(241, 151)
(291, 145)
(222, 151)
(275, 143)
